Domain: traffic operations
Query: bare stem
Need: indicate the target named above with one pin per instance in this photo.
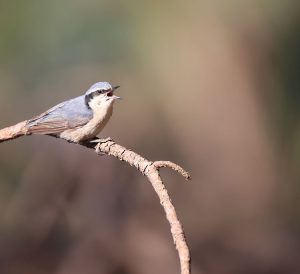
(148, 169)
(179, 169)
(151, 171)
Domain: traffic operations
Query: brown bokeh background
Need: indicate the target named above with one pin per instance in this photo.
(211, 85)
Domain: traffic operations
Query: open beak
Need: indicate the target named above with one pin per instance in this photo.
(114, 96)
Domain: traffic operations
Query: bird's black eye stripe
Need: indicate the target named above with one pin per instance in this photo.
(100, 91)
(88, 98)
(91, 95)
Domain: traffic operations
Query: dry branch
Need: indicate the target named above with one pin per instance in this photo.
(148, 169)
(151, 171)
(12, 132)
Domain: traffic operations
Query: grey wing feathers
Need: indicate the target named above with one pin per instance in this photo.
(67, 115)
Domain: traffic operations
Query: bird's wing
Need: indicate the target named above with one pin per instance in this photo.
(67, 115)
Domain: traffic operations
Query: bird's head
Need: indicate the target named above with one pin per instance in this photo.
(100, 94)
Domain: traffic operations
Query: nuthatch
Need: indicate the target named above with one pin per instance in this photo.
(76, 120)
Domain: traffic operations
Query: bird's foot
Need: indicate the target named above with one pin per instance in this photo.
(101, 141)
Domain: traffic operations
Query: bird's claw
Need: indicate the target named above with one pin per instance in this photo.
(100, 141)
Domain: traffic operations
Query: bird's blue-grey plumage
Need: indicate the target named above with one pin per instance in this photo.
(76, 120)
(67, 115)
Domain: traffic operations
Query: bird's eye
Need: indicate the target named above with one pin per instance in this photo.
(100, 91)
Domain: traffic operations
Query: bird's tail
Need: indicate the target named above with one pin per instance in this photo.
(13, 132)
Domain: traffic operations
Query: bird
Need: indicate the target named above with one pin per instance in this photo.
(76, 120)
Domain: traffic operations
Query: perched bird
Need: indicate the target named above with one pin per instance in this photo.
(76, 120)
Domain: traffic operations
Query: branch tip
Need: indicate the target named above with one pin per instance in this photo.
(179, 169)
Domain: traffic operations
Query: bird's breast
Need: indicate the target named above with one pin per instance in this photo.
(100, 119)
(92, 128)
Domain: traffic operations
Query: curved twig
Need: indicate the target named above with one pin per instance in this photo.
(151, 171)
(179, 169)
(148, 169)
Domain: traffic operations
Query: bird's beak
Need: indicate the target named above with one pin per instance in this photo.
(114, 96)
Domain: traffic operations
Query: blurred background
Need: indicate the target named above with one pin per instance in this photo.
(210, 85)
